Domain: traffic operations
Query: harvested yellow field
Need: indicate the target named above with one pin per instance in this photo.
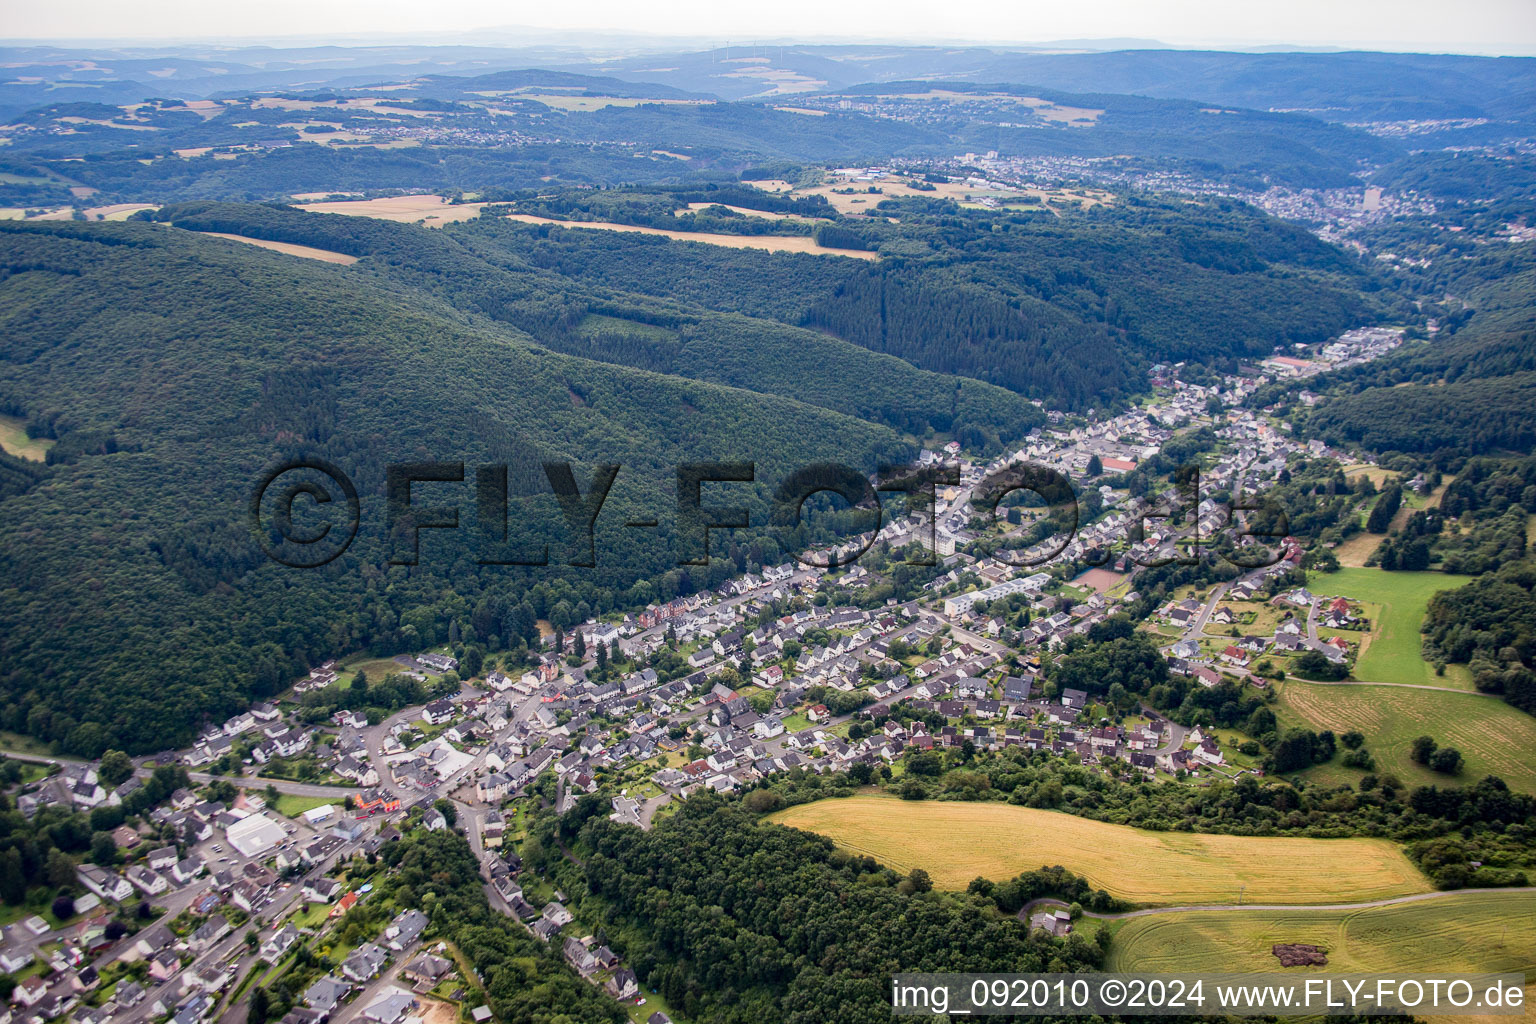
(956, 842)
(324, 255)
(432, 211)
(117, 211)
(773, 243)
(744, 211)
(1359, 547)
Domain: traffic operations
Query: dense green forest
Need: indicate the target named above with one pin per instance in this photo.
(1490, 624)
(1479, 525)
(524, 978)
(1069, 310)
(1073, 309)
(581, 316)
(140, 603)
(1471, 388)
(737, 921)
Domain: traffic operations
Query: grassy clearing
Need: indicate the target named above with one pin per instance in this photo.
(291, 806)
(24, 744)
(14, 439)
(375, 668)
(1495, 738)
(1391, 654)
(956, 842)
(1353, 552)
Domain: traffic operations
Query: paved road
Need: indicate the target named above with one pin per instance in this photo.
(1197, 628)
(1176, 733)
(1415, 898)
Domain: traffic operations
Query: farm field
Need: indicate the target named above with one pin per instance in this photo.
(14, 439)
(432, 211)
(1495, 738)
(1467, 932)
(773, 243)
(1391, 653)
(956, 842)
(851, 198)
(288, 248)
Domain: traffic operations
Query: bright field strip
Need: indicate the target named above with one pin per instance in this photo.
(956, 842)
(773, 243)
(289, 249)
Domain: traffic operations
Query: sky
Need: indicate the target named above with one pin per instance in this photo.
(1465, 26)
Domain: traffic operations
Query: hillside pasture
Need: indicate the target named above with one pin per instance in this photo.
(1392, 651)
(956, 842)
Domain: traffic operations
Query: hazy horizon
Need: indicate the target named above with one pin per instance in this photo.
(1477, 27)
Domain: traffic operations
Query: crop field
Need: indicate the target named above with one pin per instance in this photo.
(773, 243)
(1466, 932)
(1495, 739)
(432, 211)
(1391, 654)
(956, 842)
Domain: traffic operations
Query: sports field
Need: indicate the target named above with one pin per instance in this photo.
(1391, 654)
(1467, 932)
(1493, 737)
(956, 842)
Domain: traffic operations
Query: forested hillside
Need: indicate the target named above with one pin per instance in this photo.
(1073, 309)
(581, 314)
(756, 922)
(173, 369)
(1472, 387)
